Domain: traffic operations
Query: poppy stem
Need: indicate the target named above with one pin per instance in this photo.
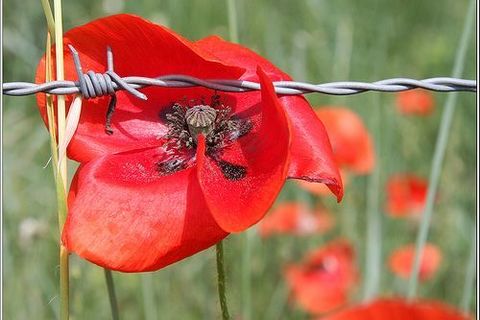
(468, 287)
(439, 153)
(221, 281)
(111, 294)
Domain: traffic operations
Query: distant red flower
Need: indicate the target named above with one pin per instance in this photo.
(406, 195)
(401, 261)
(324, 280)
(399, 309)
(186, 167)
(415, 102)
(297, 219)
(351, 142)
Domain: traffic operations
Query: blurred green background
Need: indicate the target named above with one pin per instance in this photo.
(313, 40)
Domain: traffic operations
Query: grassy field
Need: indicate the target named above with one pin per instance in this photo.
(314, 41)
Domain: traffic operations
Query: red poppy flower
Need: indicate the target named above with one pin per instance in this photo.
(297, 219)
(415, 102)
(186, 167)
(352, 144)
(321, 189)
(406, 195)
(399, 309)
(401, 261)
(324, 280)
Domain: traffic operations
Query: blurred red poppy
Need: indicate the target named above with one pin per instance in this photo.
(188, 166)
(324, 280)
(406, 195)
(401, 261)
(297, 219)
(351, 142)
(399, 309)
(415, 102)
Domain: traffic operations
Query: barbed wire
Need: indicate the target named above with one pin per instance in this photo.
(440, 84)
(91, 84)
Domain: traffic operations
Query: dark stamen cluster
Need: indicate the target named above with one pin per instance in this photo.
(218, 126)
(178, 133)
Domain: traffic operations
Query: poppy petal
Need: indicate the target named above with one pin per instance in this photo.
(415, 102)
(323, 281)
(401, 261)
(140, 48)
(125, 216)
(244, 184)
(399, 309)
(406, 195)
(297, 219)
(311, 152)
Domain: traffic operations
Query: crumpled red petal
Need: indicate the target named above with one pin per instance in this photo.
(237, 204)
(140, 48)
(124, 216)
(311, 152)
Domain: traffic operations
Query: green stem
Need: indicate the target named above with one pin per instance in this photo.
(374, 241)
(61, 177)
(247, 249)
(64, 283)
(49, 16)
(111, 294)
(469, 285)
(439, 153)
(221, 281)
(232, 21)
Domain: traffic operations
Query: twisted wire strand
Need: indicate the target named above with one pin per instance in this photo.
(92, 85)
(442, 84)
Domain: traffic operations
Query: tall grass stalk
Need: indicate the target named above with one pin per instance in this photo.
(439, 154)
(61, 112)
(232, 21)
(373, 263)
(148, 297)
(246, 275)
(374, 238)
(61, 177)
(47, 10)
(55, 31)
(469, 284)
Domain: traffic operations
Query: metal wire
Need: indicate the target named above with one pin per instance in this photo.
(91, 84)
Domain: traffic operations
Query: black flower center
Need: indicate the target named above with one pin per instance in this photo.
(215, 122)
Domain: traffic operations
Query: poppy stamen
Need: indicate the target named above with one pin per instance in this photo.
(215, 122)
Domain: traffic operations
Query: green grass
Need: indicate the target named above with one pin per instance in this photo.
(314, 40)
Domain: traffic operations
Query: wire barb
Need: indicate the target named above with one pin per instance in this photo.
(92, 85)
